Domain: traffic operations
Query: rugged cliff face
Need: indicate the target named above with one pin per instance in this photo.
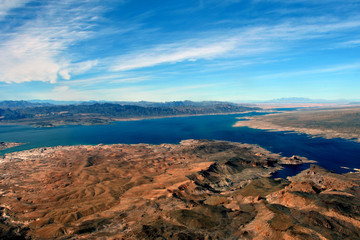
(194, 190)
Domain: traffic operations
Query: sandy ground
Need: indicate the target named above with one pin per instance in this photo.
(266, 125)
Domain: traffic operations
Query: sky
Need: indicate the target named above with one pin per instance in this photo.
(156, 50)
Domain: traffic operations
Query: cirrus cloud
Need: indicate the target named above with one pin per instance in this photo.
(36, 50)
(237, 43)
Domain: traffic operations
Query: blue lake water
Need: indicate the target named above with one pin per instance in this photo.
(330, 153)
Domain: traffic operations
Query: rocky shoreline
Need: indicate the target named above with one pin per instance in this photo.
(198, 189)
(6, 145)
(259, 123)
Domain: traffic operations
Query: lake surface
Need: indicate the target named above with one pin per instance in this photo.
(330, 153)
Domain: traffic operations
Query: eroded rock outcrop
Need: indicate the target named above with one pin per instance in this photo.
(198, 189)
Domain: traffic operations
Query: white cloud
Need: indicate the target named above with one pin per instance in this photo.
(153, 94)
(112, 79)
(77, 68)
(248, 42)
(331, 69)
(34, 52)
(27, 58)
(63, 93)
(7, 5)
(349, 44)
(38, 50)
(60, 89)
(172, 54)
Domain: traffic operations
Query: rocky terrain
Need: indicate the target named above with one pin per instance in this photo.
(6, 145)
(197, 189)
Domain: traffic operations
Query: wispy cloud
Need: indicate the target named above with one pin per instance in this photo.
(7, 5)
(330, 69)
(64, 93)
(154, 94)
(38, 50)
(107, 79)
(77, 68)
(236, 43)
(136, 93)
(172, 53)
(34, 52)
(348, 44)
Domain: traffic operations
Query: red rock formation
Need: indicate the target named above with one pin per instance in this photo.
(194, 190)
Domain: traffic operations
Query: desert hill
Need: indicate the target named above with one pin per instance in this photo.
(197, 189)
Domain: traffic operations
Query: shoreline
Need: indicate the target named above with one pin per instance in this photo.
(113, 120)
(7, 145)
(252, 122)
(183, 115)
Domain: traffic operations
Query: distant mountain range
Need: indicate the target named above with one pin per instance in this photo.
(305, 100)
(41, 103)
(186, 103)
(45, 114)
(21, 104)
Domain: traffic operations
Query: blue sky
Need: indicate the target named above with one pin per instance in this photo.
(232, 50)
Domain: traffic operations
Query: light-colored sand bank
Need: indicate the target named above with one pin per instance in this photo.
(261, 123)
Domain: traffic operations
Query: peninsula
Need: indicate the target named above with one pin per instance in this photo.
(6, 145)
(320, 122)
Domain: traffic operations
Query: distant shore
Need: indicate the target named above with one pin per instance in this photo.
(184, 115)
(6, 145)
(253, 122)
(105, 121)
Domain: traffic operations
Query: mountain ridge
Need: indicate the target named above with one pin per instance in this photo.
(103, 113)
